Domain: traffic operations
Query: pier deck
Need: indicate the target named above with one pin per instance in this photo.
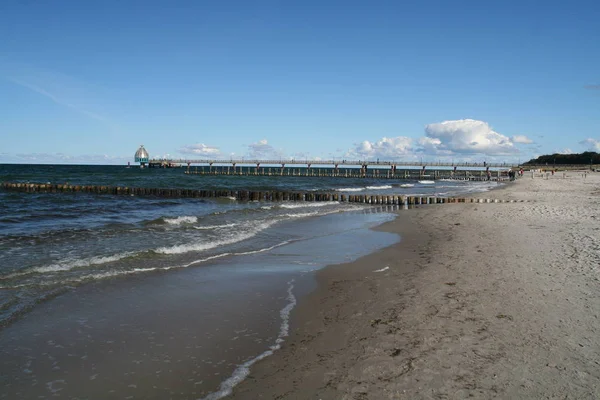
(339, 168)
(331, 163)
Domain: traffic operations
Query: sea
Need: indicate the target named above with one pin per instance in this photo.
(130, 297)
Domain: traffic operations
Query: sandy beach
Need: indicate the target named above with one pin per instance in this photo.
(478, 300)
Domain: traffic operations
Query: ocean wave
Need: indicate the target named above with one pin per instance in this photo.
(211, 227)
(116, 272)
(243, 370)
(349, 190)
(379, 187)
(407, 185)
(202, 246)
(309, 204)
(181, 220)
(301, 215)
(71, 264)
(244, 253)
(427, 182)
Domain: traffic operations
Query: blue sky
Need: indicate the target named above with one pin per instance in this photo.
(468, 80)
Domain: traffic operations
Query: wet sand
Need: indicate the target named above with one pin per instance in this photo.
(477, 300)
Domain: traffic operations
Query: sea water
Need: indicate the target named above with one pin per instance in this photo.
(151, 297)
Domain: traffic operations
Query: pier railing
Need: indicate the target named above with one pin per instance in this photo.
(332, 162)
(349, 173)
(243, 195)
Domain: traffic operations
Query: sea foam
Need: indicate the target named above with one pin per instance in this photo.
(309, 204)
(68, 265)
(379, 187)
(243, 370)
(211, 227)
(181, 220)
(202, 246)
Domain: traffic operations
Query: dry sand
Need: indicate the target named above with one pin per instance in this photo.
(480, 300)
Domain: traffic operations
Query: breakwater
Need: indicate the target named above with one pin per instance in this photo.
(242, 195)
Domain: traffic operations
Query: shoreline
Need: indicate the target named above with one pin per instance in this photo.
(479, 300)
(178, 334)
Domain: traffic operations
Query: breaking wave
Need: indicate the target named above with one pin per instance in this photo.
(202, 246)
(379, 187)
(181, 220)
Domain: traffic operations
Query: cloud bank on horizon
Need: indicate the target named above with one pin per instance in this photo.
(591, 144)
(459, 140)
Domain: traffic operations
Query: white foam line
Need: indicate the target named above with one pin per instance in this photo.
(382, 269)
(110, 274)
(185, 248)
(67, 266)
(302, 215)
(243, 370)
(350, 190)
(207, 227)
(379, 187)
(197, 261)
(244, 253)
(181, 220)
(310, 204)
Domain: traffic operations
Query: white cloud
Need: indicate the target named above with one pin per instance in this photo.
(432, 146)
(521, 139)
(591, 144)
(388, 148)
(468, 136)
(465, 139)
(200, 149)
(263, 150)
(565, 151)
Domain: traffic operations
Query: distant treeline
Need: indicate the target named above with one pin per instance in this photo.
(588, 157)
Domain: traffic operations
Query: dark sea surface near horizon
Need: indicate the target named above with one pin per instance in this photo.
(61, 250)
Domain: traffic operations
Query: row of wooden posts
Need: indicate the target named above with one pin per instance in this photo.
(349, 173)
(243, 195)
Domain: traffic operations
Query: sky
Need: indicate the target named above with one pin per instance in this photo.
(90, 81)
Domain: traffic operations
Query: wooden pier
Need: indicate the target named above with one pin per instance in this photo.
(339, 168)
(497, 175)
(243, 195)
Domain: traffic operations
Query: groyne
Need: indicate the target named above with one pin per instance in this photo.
(243, 195)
